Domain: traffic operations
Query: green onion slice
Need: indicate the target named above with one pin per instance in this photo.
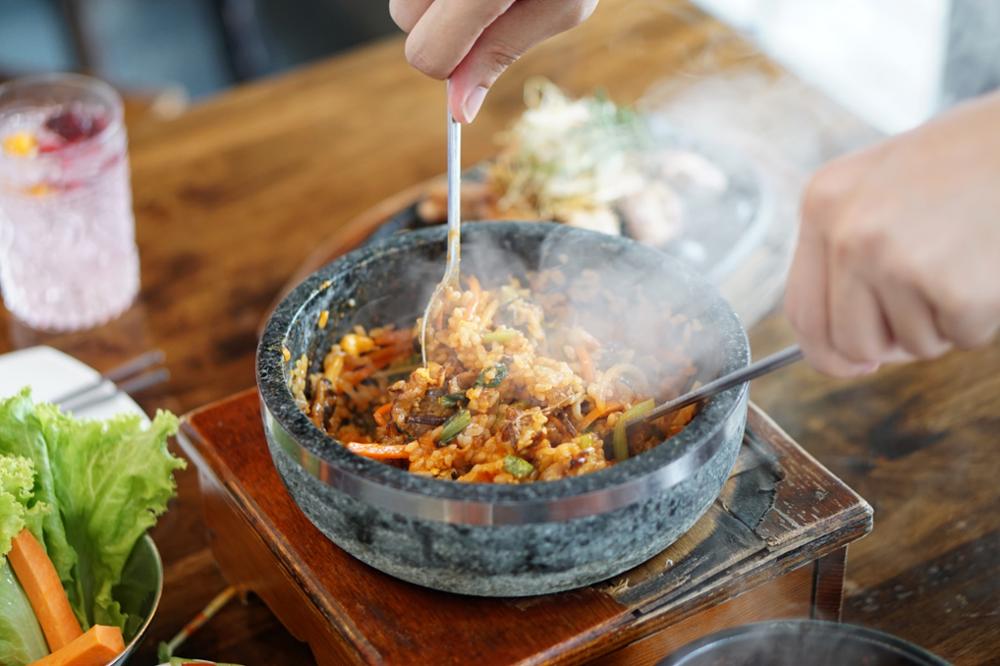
(502, 335)
(455, 425)
(499, 374)
(517, 467)
(620, 438)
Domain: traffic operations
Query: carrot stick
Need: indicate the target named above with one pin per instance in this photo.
(48, 599)
(378, 451)
(97, 647)
(382, 413)
(596, 413)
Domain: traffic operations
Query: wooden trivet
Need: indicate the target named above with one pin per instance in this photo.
(773, 545)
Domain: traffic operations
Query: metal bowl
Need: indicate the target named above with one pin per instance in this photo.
(486, 539)
(797, 642)
(139, 592)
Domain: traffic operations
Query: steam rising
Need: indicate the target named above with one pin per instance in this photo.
(634, 301)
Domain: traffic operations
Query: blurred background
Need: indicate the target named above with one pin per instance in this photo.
(191, 48)
(892, 62)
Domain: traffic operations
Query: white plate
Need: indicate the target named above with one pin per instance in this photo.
(51, 373)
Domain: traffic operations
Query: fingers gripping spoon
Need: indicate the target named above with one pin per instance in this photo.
(451, 272)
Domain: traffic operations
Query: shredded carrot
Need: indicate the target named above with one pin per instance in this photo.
(477, 294)
(382, 414)
(386, 355)
(355, 377)
(474, 285)
(586, 364)
(680, 418)
(378, 451)
(596, 413)
(393, 337)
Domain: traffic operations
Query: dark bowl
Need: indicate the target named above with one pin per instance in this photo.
(798, 642)
(486, 539)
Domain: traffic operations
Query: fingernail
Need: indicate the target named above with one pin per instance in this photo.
(473, 102)
(869, 368)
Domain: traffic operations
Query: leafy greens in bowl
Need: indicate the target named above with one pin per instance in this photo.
(87, 491)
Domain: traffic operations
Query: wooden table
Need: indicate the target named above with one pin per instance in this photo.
(232, 195)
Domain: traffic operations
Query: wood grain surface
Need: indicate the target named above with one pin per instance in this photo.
(772, 545)
(232, 196)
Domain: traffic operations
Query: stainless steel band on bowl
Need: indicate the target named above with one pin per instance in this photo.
(537, 510)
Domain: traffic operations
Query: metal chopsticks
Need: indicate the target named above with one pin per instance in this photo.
(762, 367)
(132, 376)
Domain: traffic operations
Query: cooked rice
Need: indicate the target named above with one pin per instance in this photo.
(514, 391)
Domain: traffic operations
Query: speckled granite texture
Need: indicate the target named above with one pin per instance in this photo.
(395, 522)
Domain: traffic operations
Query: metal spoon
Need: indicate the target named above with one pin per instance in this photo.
(454, 224)
(762, 367)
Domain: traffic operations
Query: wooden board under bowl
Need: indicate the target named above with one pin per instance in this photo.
(773, 545)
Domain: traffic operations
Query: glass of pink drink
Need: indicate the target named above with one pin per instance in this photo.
(68, 258)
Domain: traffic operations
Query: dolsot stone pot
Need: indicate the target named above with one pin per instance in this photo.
(486, 539)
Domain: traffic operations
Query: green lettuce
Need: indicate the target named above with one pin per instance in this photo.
(21, 639)
(107, 482)
(21, 435)
(18, 508)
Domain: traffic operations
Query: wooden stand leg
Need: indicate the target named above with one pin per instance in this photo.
(828, 585)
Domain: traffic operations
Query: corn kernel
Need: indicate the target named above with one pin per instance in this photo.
(21, 144)
(355, 344)
(324, 317)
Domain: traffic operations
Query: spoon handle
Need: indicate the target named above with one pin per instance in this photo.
(762, 367)
(454, 194)
(454, 221)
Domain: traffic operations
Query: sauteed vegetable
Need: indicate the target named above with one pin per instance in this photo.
(514, 390)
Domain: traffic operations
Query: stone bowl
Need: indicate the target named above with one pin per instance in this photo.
(486, 539)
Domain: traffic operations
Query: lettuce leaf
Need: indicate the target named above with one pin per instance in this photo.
(21, 435)
(108, 481)
(113, 479)
(18, 508)
(21, 639)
